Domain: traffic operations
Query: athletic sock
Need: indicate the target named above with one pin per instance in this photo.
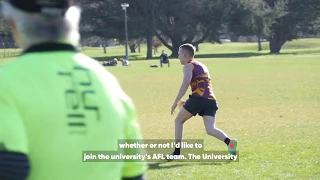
(227, 141)
(176, 151)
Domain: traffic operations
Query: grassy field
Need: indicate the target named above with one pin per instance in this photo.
(270, 103)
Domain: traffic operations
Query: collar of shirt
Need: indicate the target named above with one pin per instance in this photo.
(49, 47)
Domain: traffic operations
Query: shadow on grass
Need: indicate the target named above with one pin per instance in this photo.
(254, 54)
(166, 165)
(301, 52)
(228, 55)
(158, 165)
(131, 58)
(213, 163)
(215, 55)
(231, 55)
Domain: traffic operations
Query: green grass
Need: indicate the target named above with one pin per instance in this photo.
(270, 103)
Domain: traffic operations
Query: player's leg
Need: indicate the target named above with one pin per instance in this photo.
(209, 123)
(186, 112)
(209, 120)
(181, 118)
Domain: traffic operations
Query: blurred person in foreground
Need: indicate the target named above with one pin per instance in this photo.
(56, 103)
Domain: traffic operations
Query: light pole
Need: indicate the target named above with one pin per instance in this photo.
(124, 7)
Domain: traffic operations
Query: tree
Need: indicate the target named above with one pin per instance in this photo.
(215, 16)
(191, 24)
(263, 17)
(156, 43)
(100, 19)
(147, 11)
(106, 19)
(301, 17)
(134, 44)
(254, 17)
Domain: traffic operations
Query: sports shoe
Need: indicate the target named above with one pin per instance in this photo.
(168, 158)
(232, 147)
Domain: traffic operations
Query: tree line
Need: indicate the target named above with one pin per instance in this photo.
(175, 22)
(196, 21)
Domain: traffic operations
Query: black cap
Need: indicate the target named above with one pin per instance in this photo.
(47, 7)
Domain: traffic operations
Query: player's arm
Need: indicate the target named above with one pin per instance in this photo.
(187, 76)
(14, 163)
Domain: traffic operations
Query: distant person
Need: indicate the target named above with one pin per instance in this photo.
(202, 101)
(125, 62)
(164, 59)
(115, 62)
(55, 102)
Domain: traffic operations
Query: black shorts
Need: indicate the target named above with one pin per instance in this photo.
(204, 107)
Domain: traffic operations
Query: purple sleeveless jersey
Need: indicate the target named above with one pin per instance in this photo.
(201, 81)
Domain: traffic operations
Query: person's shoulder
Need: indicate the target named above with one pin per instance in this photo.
(10, 74)
(88, 62)
(95, 67)
(188, 66)
(11, 67)
(109, 81)
(199, 63)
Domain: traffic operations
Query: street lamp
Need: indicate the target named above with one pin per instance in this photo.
(124, 7)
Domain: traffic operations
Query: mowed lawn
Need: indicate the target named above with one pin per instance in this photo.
(269, 103)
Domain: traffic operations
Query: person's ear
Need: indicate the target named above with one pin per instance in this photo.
(185, 55)
(11, 24)
(14, 31)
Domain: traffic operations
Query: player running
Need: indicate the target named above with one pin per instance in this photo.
(202, 101)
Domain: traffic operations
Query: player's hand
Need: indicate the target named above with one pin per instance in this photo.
(173, 108)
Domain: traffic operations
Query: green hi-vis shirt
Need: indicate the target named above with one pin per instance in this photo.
(56, 103)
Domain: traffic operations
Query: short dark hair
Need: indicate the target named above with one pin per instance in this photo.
(189, 48)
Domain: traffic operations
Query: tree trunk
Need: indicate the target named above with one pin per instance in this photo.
(276, 45)
(104, 46)
(234, 38)
(132, 48)
(149, 47)
(197, 47)
(149, 18)
(4, 47)
(259, 43)
(104, 49)
(175, 48)
(155, 50)
(139, 45)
